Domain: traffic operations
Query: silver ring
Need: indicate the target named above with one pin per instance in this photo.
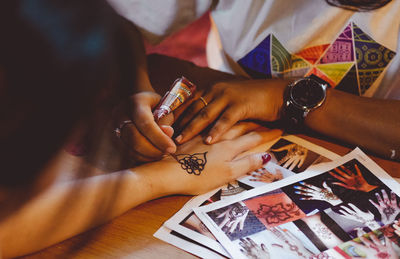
(117, 131)
(204, 101)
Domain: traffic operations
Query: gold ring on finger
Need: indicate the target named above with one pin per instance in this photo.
(204, 101)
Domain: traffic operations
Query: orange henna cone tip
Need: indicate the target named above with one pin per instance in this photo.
(266, 158)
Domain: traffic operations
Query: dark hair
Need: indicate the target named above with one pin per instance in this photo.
(359, 5)
(56, 58)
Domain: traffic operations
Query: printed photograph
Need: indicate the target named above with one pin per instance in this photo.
(274, 208)
(323, 232)
(192, 222)
(348, 183)
(236, 221)
(371, 245)
(294, 157)
(284, 241)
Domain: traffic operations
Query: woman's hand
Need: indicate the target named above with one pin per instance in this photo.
(295, 156)
(230, 102)
(198, 168)
(143, 139)
(351, 180)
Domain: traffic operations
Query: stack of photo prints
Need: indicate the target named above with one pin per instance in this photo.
(308, 202)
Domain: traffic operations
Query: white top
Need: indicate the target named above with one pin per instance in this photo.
(353, 51)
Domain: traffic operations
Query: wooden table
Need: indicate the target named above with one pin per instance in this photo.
(131, 234)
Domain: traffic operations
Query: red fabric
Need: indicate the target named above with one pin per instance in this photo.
(188, 43)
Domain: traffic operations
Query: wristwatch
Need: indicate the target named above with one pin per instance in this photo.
(301, 97)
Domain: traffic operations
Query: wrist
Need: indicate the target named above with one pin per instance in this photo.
(160, 177)
(368, 188)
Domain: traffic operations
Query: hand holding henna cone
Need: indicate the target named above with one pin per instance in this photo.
(181, 91)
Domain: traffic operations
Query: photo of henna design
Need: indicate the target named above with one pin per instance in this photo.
(192, 164)
(388, 207)
(278, 213)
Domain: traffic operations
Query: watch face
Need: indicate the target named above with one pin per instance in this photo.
(307, 93)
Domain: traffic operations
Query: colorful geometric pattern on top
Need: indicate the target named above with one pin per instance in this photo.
(351, 63)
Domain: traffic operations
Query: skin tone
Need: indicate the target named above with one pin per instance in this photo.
(263, 175)
(311, 192)
(351, 180)
(370, 123)
(322, 231)
(295, 157)
(388, 208)
(252, 250)
(95, 199)
(353, 213)
(374, 248)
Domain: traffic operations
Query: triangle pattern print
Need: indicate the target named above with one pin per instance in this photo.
(335, 71)
(372, 58)
(281, 59)
(257, 63)
(313, 54)
(353, 58)
(341, 49)
(349, 83)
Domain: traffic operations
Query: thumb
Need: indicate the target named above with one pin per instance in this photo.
(166, 120)
(168, 130)
(249, 163)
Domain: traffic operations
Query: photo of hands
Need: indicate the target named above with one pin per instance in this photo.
(344, 202)
(375, 244)
(294, 157)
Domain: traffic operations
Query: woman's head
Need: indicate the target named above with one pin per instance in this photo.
(51, 76)
(359, 5)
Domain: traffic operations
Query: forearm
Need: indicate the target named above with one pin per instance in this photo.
(369, 123)
(70, 208)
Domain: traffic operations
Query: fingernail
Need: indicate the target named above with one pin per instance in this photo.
(170, 150)
(208, 140)
(179, 138)
(301, 182)
(266, 158)
(296, 187)
(297, 192)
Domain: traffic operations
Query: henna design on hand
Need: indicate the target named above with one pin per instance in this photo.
(192, 164)
(351, 180)
(278, 213)
(311, 192)
(322, 231)
(388, 208)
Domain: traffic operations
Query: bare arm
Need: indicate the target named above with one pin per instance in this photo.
(372, 124)
(71, 207)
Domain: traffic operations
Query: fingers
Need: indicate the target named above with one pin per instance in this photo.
(252, 139)
(293, 163)
(248, 163)
(287, 147)
(302, 159)
(138, 145)
(385, 197)
(144, 121)
(375, 205)
(194, 108)
(203, 118)
(168, 130)
(340, 178)
(224, 123)
(239, 129)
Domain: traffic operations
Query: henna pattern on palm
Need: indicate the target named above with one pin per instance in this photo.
(192, 164)
(278, 213)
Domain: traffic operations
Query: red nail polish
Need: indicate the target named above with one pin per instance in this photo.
(266, 158)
